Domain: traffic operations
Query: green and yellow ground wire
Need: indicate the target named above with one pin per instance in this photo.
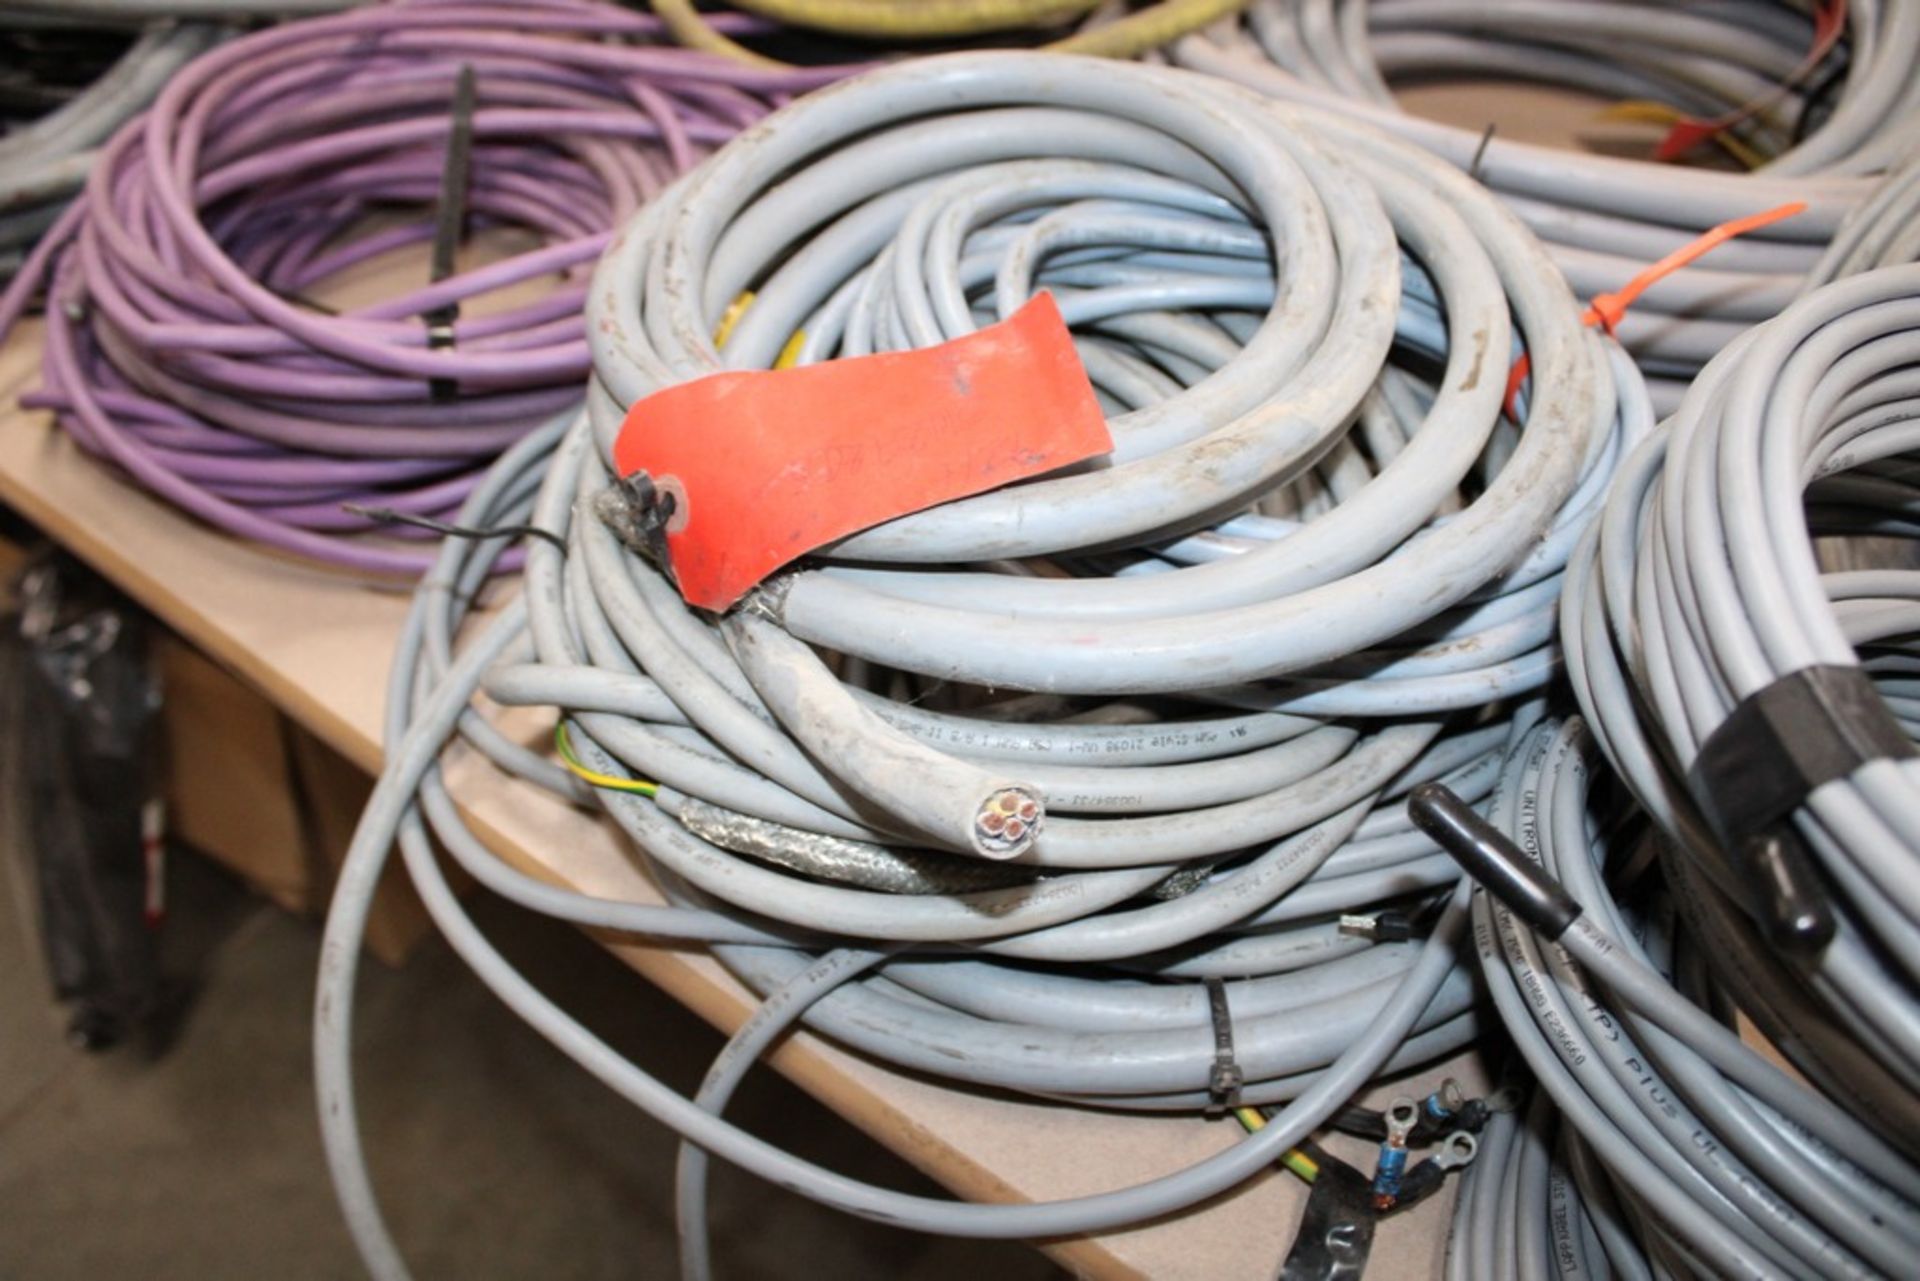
(564, 745)
(1295, 1160)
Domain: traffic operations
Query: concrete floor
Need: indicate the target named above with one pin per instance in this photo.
(495, 1158)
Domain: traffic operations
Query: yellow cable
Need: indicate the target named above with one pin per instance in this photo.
(1136, 33)
(731, 317)
(564, 745)
(1646, 111)
(685, 25)
(917, 19)
(1302, 1165)
(790, 354)
(1131, 36)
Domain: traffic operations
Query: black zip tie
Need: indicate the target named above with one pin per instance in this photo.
(1480, 152)
(1781, 743)
(450, 222)
(1225, 1081)
(388, 516)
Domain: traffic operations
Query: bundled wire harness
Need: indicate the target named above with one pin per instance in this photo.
(1826, 115)
(1706, 646)
(1316, 567)
(1658, 1143)
(45, 156)
(182, 340)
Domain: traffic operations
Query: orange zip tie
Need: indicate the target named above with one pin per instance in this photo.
(1829, 19)
(1607, 310)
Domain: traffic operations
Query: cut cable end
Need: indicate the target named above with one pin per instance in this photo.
(1007, 823)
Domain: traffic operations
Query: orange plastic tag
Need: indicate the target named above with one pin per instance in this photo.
(763, 466)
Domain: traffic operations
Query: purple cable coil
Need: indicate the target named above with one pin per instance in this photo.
(179, 344)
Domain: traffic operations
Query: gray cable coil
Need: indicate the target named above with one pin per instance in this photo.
(1882, 231)
(1701, 586)
(1642, 1155)
(1604, 218)
(44, 163)
(119, 11)
(1418, 539)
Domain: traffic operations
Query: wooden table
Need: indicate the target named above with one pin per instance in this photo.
(317, 644)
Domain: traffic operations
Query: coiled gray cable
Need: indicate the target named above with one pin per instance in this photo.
(1882, 231)
(862, 247)
(43, 164)
(164, 10)
(1643, 1154)
(429, 696)
(1701, 587)
(1316, 556)
(1605, 217)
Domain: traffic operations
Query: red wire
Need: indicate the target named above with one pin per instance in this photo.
(1829, 19)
